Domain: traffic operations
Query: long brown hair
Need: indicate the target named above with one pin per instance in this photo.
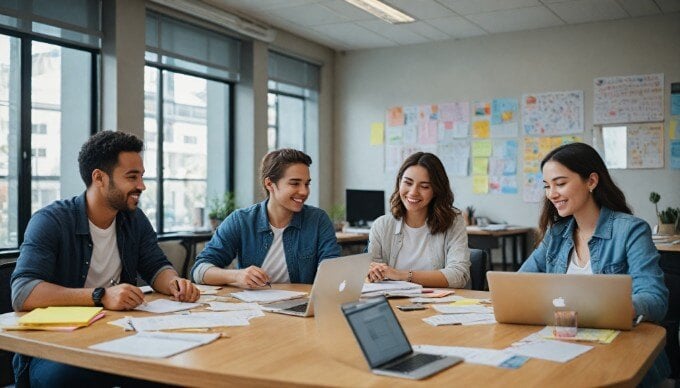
(583, 160)
(440, 211)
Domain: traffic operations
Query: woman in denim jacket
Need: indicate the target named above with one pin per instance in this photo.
(280, 240)
(423, 239)
(586, 227)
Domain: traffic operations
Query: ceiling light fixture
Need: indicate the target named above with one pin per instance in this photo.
(382, 10)
(222, 18)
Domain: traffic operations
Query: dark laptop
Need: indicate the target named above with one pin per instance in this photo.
(384, 344)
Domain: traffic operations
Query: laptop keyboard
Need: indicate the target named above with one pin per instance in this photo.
(413, 363)
(301, 308)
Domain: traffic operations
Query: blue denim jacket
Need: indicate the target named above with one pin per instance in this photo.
(621, 244)
(246, 236)
(57, 248)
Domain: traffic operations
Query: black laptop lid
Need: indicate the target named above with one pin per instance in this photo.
(377, 330)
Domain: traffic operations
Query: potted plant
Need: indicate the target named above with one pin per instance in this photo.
(337, 215)
(220, 208)
(469, 215)
(669, 219)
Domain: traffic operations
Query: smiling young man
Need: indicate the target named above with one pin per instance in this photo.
(280, 240)
(88, 250)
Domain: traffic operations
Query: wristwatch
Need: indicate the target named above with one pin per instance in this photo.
(97, 296)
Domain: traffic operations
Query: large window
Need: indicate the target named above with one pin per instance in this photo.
(292, 101)
(187, 90)
(47, 110)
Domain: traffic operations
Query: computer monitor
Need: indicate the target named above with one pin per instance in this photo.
(364, 206)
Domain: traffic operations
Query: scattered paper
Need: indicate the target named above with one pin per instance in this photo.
(194, 320)
(267, 296)
(491, 357)
(460, 319)
(457, 309)
(160, 306)
(446, 299)
(155, 344)
(536, 346)
(389, 286)
(603, 336)
(222, 306)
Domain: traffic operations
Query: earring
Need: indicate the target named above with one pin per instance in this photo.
(591, 191)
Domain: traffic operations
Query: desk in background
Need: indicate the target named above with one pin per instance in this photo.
(487, 240)
(286, 350)
(351, 243)
(189, 240)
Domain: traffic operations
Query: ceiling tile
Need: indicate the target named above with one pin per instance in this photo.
(639, 7)
(421, 9)
(516, 19)
(669, 6)
(584, 11)
(354, 35)
(468, 7)
(427, 30)
(457, 27)
(310, 15)
(396, 32)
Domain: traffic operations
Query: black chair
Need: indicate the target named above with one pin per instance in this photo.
(6, 371)
(478, 269)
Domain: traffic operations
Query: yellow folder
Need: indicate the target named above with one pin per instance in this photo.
(60, 316)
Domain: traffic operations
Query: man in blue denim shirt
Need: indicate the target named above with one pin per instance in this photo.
(279, 240)
(88, 250)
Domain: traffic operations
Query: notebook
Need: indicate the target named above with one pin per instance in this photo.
(600, 301)
(384, 344)
(337, 281)
(60, 316)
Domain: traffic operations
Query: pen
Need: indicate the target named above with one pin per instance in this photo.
(268, 284)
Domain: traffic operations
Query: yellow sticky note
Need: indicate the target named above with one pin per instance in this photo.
(481, 129)
(482, 148)
(673, 128)
(465, 302)
(480, 184)
(64, 316)
(480, 166)
(377, 133)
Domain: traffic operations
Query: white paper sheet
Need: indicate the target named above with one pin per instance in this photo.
(460, 319)
(537, 347)
(155, 344)
(446, 299)
(194, 320)
(222, 306)
(491, 357)
(389, 285)
(160, 306)
(267, 296)
(472, 309)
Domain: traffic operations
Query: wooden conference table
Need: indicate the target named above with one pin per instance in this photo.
(287, 351)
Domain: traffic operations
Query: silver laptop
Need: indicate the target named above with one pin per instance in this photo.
(600, 301)
(384, 344)
(337, 281)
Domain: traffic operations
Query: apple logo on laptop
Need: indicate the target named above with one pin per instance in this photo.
(558, 302)
(342, 286)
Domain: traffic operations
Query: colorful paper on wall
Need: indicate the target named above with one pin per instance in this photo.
(480, 184)
(395, 116)
(377, 133)
(645, 146)
(504, 112)
(674, 127)
(455, 157)
(480, 166)
(628, 99)
(482, 148)
(552, 113)
(535, 149)
(675, 154)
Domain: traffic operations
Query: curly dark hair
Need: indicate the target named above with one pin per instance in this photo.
(440, 212)
(275, 163)
(101, 151)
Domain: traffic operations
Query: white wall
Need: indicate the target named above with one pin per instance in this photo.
(505, 65)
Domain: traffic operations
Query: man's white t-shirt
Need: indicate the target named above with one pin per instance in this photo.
(275, 262)
(413, 254)
(105, 264)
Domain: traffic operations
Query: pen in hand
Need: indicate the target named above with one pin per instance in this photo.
(268, 284)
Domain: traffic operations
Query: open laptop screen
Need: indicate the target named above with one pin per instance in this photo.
(378, 331)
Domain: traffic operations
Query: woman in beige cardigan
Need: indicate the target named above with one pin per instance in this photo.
(423, 239)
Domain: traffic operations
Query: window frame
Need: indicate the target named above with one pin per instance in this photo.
(24, 174)
(160, 136)
(276, 125)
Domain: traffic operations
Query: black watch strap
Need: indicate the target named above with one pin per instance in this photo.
(97, 296)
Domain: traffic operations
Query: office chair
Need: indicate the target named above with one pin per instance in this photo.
(478, 269)
(6, 370)
(671, 322)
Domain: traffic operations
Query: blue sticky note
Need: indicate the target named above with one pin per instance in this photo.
(675, 104)
(675, 154)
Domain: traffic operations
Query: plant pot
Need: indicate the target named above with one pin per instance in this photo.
(666, 229)
(214, 223)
